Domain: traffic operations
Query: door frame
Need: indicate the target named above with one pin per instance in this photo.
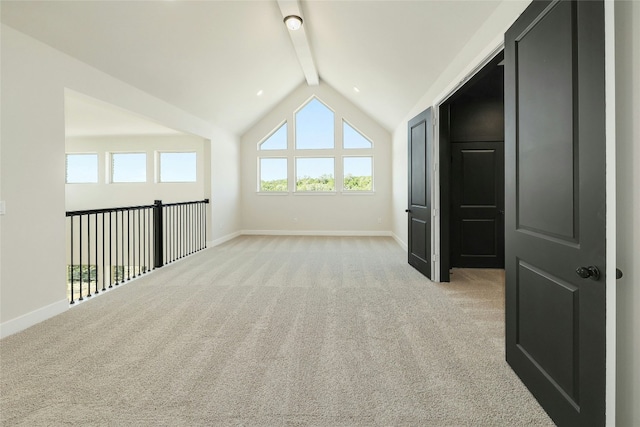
(443, 147)
(441, 155)
(438, 167)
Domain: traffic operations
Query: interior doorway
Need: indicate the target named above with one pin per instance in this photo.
(471, 145)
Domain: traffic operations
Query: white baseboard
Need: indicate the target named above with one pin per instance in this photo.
(400, 242)
(223, 239)
(371, 233)
(25, 321)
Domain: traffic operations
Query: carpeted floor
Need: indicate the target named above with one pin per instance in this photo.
(274, 331)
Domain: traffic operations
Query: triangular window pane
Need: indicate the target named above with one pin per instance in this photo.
(352, 138)
(314, 127)
(277, 140)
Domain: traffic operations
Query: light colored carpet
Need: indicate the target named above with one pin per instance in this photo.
(274, 331)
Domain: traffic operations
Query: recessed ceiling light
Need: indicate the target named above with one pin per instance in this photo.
(260, 92)
(293, 22)
(355, 89)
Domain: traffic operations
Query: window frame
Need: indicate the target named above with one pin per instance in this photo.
(295, 175)
(345, 121)
(259, 177)
(273, 132)
(292, 153)
(295, 125)
(111, 167)
(346, 191)
(158, 166)
(66, 167)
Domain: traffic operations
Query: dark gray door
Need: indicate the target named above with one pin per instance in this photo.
(419, 209)
(477, 197)
(555, 207)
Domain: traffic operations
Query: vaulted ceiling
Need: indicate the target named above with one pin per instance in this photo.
(211, 58)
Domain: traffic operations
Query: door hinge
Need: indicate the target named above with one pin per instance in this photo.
(435, 167)
(435, 212)
(434, 257)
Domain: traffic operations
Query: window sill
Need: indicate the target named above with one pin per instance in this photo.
(272, 193)
(358, 193)
(314, 193)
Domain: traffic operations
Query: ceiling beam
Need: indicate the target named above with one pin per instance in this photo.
(300, 41)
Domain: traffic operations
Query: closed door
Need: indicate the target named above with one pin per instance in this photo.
(555, 207)
(419, 197)
(477, 197)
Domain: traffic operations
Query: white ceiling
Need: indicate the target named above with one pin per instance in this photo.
(210, 58)
(85, 116)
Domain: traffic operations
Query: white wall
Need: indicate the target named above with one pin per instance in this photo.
(225, 187)
(627, 16)
(34, 78)
(104, 194)
(483, 42)
(339, 213)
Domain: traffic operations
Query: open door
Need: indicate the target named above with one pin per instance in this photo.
(419, 199)
(555, 207)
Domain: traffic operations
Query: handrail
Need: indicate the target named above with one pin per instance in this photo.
(107, 210)
(127, 208)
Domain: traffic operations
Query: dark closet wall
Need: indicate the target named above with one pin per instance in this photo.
(472, 130)
(477, 115)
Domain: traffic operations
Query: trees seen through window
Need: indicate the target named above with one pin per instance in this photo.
(317, 164)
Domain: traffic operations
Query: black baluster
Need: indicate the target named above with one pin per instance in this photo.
(158, 256)
(144, 240)
(196, 226)
(172, 232)
(80, 261)
(88, 256)
(72, 299)
(96, 252)
(111, 248)
(182, 231)
(115, 276)
(139, 246)
(191, 229)
(122, 242)
(134, 243)
(104, 272)
(128, 244)
(148, 240)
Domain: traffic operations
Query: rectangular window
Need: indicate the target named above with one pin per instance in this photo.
(178, 167)
(82, 169)
(273, 175)
(128, 167)
(315, 174)
(358, 174)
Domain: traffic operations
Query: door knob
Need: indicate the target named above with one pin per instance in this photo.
(407, 210)
(586, 272)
